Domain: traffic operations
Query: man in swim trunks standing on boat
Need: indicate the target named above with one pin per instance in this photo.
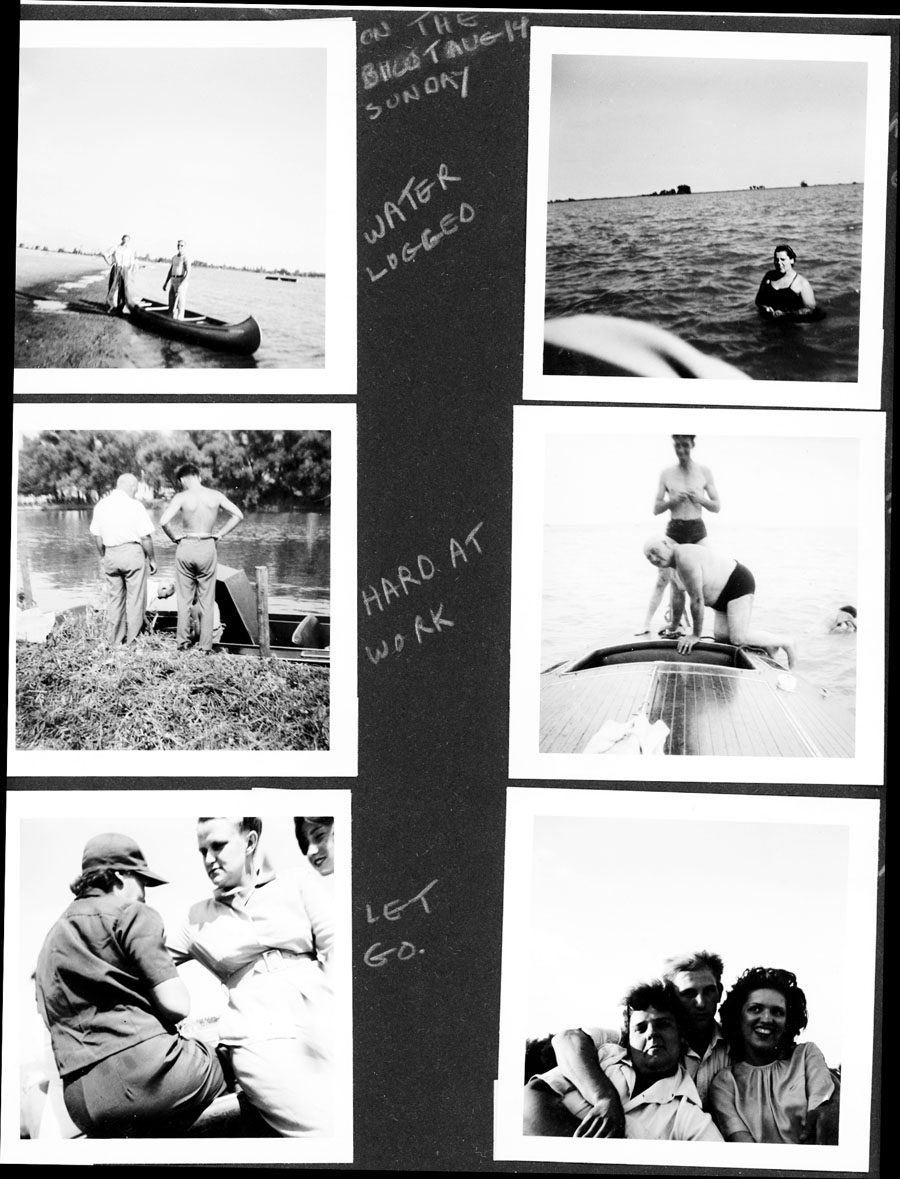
(176, 281)
(684, 490)
(195, 558)
(710, 578)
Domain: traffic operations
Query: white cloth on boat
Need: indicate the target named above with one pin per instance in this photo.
(33, 625)
(636, 735)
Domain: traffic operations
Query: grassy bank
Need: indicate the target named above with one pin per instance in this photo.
(73, 692)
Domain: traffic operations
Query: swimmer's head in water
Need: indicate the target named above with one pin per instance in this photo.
(659, 551)
(851, 610)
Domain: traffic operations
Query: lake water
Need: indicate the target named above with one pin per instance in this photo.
(296, 547)
(693, 264)
(597, 584)
(291, 315)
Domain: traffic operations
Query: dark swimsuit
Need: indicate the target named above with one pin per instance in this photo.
(779, 299)
(686, 531)
(739, 584)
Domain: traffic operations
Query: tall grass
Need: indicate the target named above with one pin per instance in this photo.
(75, 692)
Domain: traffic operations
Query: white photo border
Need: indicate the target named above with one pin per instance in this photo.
(186, 804)
(855, 945)
(865, 392)
(337, 36)
(340, 759)
(531, 427)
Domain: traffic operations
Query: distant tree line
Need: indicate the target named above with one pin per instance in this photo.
(681, 190)
(255, 468)
(81, 251)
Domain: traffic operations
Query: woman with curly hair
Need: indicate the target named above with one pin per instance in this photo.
(775, 1087)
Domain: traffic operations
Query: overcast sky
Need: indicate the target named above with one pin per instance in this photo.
(612, 899)
(224, 148)
(622, 126)
(612, 478)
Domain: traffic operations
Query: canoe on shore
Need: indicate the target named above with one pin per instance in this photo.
(720, 700)
(242, 338)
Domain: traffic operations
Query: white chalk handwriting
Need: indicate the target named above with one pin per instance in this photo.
(450, 38)
(379, 954)
(415, 194)
(378, 599)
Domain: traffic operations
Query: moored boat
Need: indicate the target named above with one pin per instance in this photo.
(242, 338)
(720, 700)
(303, 635)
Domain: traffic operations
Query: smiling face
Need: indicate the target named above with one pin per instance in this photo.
(320, 846)
(699, 995)
(654, 1042)
(227, 851)
(784, 263)
(683, 446)
(659, 552)
(763, 1024)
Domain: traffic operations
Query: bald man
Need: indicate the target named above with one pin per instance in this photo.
(710, 578)
(123, 535)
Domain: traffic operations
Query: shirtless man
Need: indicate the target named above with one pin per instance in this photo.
(195, 559)
(709, 578)
(684, 490)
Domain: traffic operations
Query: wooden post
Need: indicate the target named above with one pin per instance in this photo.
(25, 574)
(262, 610)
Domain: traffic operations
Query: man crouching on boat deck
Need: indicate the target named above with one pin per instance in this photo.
(196, 558)
(709, 578)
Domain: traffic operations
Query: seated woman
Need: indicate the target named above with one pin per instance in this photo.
(783, 291)
(775, 1089)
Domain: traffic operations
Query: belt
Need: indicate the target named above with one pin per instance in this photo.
(122, 544)
(268, 962)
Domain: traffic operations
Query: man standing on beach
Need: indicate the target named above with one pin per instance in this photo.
(710, 578)
(684, 490)
(176, 281)
(123, 534)
(121, 261)
(196, 559)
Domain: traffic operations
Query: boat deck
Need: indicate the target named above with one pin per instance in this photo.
(709, 710)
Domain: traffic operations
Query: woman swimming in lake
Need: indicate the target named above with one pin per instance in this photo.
(783, 291)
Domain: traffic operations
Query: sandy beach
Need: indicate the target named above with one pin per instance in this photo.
(48, 334)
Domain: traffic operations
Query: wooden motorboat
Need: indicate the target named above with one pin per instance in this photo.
(719, 700)
(303, 635)
(242, 338)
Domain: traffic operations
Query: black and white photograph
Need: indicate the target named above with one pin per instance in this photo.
(179, 978)
(708, 600)
(182, 213)
(719, 1018)
(711, 206)
(173, 592)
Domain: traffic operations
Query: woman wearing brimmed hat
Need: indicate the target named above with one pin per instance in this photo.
(110, 996)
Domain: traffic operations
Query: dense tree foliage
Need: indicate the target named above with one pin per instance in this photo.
(255, 468)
